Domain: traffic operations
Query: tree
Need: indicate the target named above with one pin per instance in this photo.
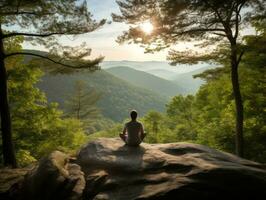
(82, 104)
(181, 116)
(205, 22)
(153, 121)
(40, 22)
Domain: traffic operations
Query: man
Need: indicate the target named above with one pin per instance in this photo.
(133, 132)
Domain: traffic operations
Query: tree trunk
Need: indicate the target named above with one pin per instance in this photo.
(8, 149)
(238, 101)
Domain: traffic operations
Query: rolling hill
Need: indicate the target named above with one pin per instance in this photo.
(187, 81)
(147, 81)
(158, 68)
(180, 75)
(118, 96)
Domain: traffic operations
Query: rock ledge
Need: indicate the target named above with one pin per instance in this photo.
(106, 169)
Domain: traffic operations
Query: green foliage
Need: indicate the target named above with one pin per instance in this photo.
(24, 157)
(181, 117)
(109, 133)
(155, 126)
(38, 127)
(82, 103)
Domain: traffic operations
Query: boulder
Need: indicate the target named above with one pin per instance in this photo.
(106, 169)
(114, 171)
(53, 178)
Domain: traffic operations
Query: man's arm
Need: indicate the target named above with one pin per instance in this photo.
(141, 129)
(142, 134)
(125, 129)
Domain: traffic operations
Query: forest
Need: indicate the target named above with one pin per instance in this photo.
(227, 112)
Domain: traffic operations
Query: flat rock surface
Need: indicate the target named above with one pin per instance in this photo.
(167, 171)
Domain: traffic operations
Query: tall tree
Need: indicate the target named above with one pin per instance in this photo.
(41, 22)
(205, 22)
(82, 103)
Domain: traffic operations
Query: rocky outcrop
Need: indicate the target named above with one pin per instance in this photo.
(167, 171)
(106, 169)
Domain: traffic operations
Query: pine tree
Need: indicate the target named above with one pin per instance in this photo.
(41, 22)
(82, 103)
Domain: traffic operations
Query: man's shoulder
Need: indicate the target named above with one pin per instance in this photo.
(133, 122)
(139, 123)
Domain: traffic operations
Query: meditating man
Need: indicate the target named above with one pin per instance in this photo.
(133, 132)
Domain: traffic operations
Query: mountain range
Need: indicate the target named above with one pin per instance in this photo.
(126, 85)
(148, 81)
(118, 97)
(161, 69)
(159, 77)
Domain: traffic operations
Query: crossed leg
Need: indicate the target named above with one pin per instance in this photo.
(123, 136)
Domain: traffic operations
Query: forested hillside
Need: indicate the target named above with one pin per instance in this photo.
(117, 96)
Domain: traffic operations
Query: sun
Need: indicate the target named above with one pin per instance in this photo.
(146, 27)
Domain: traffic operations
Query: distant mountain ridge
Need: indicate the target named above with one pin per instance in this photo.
(147, 81)
(181, 75)
(187, 81)
(162, 73)
(154, 66)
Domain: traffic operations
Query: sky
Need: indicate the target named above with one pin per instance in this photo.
(102, 41)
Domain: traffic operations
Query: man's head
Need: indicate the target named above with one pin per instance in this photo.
(133, 114)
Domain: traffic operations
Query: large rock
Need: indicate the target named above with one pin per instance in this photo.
(53, 178)
(106, 169)
(167, 171)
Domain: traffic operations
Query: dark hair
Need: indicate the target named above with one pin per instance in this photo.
(133, 114)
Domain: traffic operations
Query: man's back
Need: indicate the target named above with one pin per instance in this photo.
(134, 129)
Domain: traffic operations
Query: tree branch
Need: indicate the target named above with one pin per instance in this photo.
(238, 19)
(18, 13)
(240, 57)
(219, 34)
(224, 23)
(32, 34)
(201, 30)
(47, 58)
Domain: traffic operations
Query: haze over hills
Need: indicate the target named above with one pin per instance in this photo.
(187, 81)
(158, 68)
(118, 96)
(181, 75)
(148, 81)
(162, 73)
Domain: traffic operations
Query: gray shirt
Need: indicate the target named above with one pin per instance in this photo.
(134, 129)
